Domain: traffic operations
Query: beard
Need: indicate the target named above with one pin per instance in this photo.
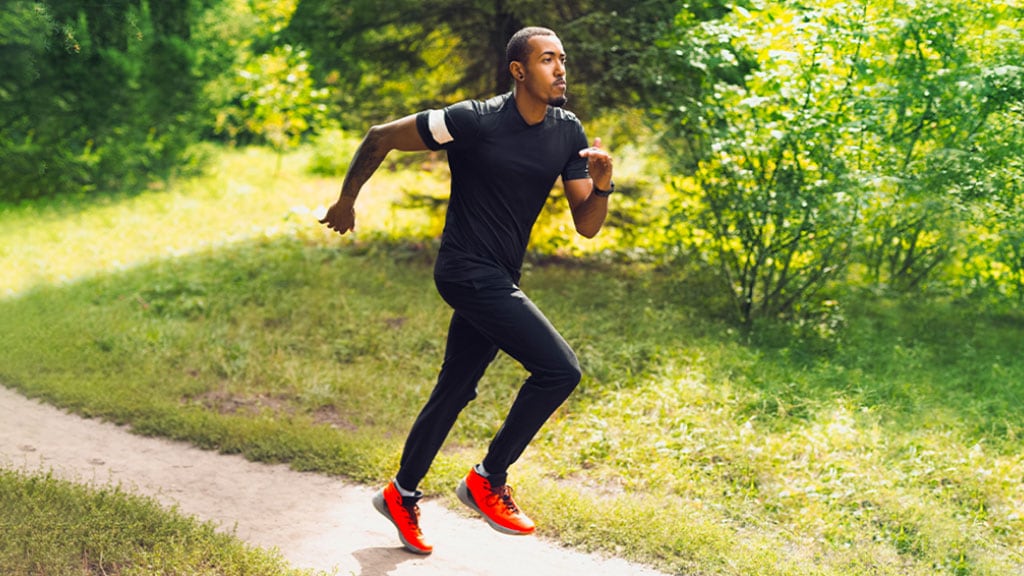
(557, 101)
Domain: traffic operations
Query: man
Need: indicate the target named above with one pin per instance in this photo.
(505, 155)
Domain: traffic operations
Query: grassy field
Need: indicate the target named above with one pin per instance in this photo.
(880, 437)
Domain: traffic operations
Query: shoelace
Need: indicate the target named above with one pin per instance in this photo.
(413, 515)
(504, 494)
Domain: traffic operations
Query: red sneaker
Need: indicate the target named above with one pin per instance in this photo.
(494, 503)
(404, 513)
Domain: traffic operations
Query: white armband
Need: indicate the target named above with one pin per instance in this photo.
(438, 128)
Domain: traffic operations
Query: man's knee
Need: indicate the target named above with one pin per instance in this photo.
(574, 374)
(455, 395)
(566, 375)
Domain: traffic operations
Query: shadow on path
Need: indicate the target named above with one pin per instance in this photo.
(380, 561)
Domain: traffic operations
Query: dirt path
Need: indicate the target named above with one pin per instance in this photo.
(315, 521)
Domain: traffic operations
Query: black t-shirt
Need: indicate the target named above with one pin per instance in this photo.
(502, 170)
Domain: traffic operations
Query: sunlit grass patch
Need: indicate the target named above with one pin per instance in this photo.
(243, 198)
(53, 526)
(806, 455)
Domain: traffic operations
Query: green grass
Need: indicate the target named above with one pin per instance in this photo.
(879, 437)
(52, 526)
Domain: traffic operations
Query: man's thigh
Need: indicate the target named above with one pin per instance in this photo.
(506, 316)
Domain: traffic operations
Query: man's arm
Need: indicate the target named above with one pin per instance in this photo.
(399, 135)
(588, 209)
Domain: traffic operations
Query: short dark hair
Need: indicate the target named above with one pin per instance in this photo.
(518, 46)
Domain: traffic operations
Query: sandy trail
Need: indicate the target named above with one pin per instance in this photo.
(315, 521)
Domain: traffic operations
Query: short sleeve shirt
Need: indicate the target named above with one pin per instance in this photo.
(502, 171)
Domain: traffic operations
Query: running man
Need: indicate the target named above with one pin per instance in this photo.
(505, 154)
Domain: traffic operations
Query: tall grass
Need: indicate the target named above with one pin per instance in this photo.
(879, 436)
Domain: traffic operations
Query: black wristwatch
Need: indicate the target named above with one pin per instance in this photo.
(604, 193)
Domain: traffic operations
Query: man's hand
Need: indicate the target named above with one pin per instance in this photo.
(341, 216)
(599, 164)
(589, 210)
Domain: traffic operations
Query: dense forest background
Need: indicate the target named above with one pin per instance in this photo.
(796, 149)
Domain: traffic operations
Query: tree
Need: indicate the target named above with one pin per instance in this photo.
(268, 94)
(855, 135)
(770, 203)
(992, 262)
(933, 80)
(104, 98)
(25, 32)
(450, 49)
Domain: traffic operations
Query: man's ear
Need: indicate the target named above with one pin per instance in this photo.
(517, 70)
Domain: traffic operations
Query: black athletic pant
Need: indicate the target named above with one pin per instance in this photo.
(491, 314)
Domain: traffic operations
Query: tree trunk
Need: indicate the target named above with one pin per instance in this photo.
(505, 25)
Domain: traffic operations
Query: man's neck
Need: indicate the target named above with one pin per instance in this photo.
(532, 110)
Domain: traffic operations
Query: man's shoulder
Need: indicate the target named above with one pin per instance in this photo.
(562, 115)
(482, 107)
(500, 103)
(476, 110)
(494, 104)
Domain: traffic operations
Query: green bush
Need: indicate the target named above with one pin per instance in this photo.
(848, 144)
(104, 97)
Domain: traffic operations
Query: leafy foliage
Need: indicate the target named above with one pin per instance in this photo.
(936, 76)
(278, 101)
(112, 95)
(101, 93)
(269, 95)
(841, 137)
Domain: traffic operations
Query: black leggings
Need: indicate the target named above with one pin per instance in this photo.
(491, 314)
